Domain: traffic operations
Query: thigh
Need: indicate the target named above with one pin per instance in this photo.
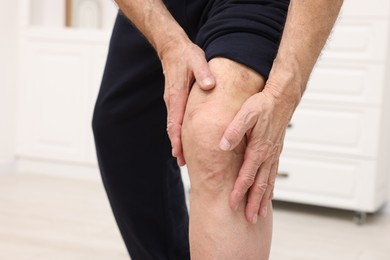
(142, 180)
(130, 116)
(133, 78)
(245, 31)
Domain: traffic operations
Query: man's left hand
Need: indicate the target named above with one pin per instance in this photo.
(262, 120)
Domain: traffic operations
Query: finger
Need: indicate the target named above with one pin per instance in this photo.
(242, 122)
(177, 99)
(272, 180)
(202, 73)
(180, 160)
(246, 177)
(275, 168)
(175, 120)
(174, 130)
(166, 95)
(263, 206)
(258, 191)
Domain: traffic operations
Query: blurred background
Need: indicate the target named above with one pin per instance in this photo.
(331, 199)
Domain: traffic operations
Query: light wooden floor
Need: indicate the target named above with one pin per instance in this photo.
(54, 218)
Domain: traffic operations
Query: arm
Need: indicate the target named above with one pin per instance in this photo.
(263, 118)
(182, 61)
(153, 19)
(307, 28)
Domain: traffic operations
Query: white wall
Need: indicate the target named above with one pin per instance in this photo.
(8, 68)
(387, 130)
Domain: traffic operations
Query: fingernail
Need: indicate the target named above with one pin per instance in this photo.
(264, 212)
(254, 219)
(207, 82)
(181, 162)
(225, 145)
(173, 152)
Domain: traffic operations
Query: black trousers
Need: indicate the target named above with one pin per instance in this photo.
(142, 180)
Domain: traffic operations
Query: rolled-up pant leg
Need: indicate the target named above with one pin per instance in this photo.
(141, 178)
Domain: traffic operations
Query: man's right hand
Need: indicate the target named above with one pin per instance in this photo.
(183, 63)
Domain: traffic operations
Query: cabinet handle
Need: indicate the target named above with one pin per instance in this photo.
(290, 125)
(283, 175)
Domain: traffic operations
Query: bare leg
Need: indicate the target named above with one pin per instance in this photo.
(216, 231)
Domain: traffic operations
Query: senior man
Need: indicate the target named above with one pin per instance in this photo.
(234, 71)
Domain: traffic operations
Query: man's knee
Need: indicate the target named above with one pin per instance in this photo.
(208, 164)
(207, 115)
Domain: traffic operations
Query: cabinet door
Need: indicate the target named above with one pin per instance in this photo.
(354, 39)
(328, 181)
(53, 97)
(341, 131)
(346, 83)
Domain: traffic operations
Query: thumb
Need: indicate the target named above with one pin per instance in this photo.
(203, 75)
(235, 132)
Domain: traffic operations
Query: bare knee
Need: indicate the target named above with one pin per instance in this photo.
(213, 171)
(207, 115)
(208, 165)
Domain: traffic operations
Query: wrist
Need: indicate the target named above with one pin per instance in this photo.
(286, 80)
(170, 41)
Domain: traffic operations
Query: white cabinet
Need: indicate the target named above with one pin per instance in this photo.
(336, 151)
(59, 85)
(61, 70)
(53, 102)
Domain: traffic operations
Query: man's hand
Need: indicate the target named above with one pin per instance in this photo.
(182, 64)
(182, 61)
(262, 120)
(264, 117)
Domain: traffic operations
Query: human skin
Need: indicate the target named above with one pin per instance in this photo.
(250, 119)
(264, 117)
(307, 27)
(228, 195)
(182, 61)
(217, 231)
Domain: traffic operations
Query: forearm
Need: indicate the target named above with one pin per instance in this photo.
(307, 28)
(154, 20)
